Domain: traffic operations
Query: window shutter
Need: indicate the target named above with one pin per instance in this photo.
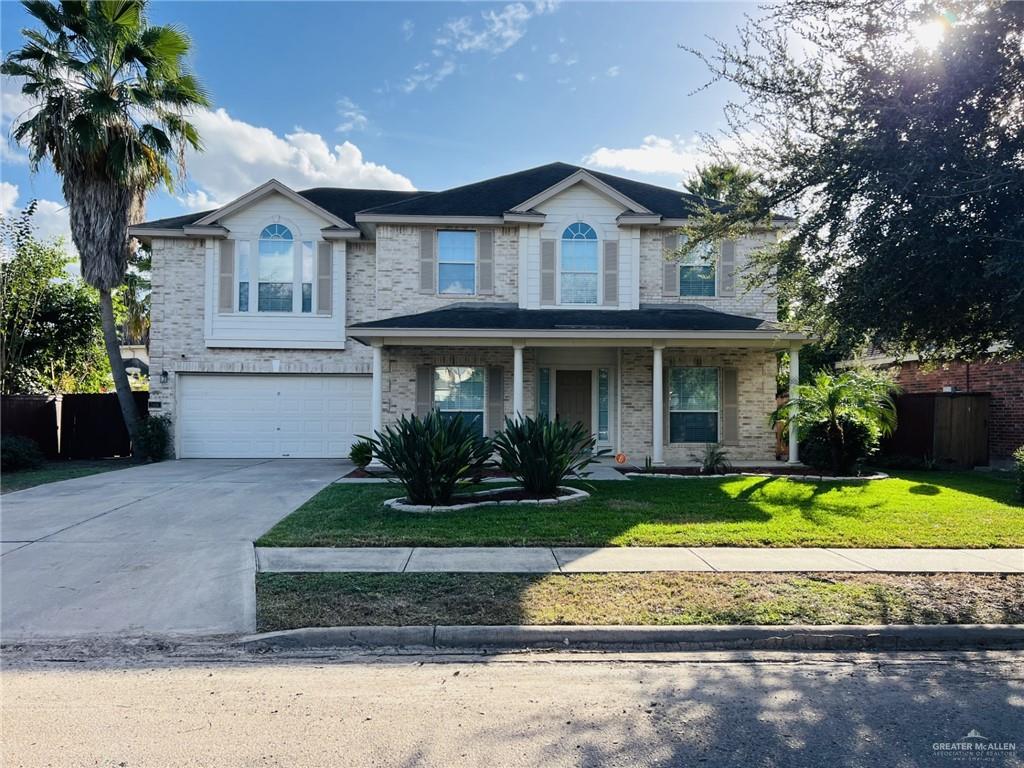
(485, 261)
(324, 278)
(727, 269)
(547, 272)
(226, 283)
(730, 407)
(424, 390)
(670, 266)
(428, 270)
(495, 398)
(611, 272)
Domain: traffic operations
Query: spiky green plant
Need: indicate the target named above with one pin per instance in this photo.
(540, 453)
(844, 409)
(111, 98)
(432, 456)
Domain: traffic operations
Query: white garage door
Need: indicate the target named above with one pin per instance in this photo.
(271, 416)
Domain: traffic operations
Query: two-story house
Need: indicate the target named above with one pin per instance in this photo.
(288, 322)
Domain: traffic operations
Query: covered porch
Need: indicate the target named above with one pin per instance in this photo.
(654, 393)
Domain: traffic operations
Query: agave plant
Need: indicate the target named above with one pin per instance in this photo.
(540, 453)
(431, 456)
(848, 413)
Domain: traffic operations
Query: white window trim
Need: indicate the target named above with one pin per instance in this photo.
(599, 303)
(475, 262)
(254, 274)
(698, 262)
(670, 410)
(487, 385)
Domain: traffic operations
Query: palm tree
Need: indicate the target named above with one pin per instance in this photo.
(111, 95)
(836, 406)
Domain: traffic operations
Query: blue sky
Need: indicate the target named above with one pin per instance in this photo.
(425, 95)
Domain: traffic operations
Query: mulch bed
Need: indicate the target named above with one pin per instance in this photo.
(695, 471)
(485, 474)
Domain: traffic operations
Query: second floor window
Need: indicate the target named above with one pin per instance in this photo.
(697, 272)
(579, 265)
(456, 262)
(276, 269)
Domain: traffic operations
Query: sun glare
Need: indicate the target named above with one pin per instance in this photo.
(930, 34)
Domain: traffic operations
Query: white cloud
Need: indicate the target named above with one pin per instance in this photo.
(554, 58)
(50, 219)
(14, 105)
(613, 71)
(492, 32)
(571, 61)
(427, 76)
(408, 28)
(353, 118)
(676, 156)
(239, 156)
(520, 77)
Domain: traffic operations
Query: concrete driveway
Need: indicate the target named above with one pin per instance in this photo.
(157, 549)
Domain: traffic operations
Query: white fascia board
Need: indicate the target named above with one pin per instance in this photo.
(213, 231)
(513, 217)
(340, 234)
(581, 176)
(598, 336)
(262, 191)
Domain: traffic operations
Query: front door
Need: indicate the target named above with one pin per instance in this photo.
(573, 397)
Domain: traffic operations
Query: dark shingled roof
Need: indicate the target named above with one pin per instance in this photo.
(342, 202)
(464, 316)
(493, 197)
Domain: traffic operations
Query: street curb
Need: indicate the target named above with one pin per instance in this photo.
(697, 638)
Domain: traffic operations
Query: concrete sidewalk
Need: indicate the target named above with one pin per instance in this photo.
(633, 559)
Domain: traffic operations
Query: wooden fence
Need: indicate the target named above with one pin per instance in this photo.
(71, 426)
(949, 428)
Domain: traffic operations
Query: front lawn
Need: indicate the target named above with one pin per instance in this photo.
(911, 509)
(53, 471)
(287, 601)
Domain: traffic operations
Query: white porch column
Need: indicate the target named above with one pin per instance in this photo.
(794, 381)
(658, 409)
(377, 390)
(517, 381)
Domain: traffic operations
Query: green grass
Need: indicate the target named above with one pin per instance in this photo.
(54, 471)
(287, 601)
(911, 509)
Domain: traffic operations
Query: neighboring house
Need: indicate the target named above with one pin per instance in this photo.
(287, 323)
(1002, 380)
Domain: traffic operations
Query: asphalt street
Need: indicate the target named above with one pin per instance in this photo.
(721, 710)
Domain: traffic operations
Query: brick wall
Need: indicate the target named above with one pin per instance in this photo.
(1003, 380)
(398, 272)
(177, 341)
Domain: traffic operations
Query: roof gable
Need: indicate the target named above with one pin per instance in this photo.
(582, 176)
(271, 187)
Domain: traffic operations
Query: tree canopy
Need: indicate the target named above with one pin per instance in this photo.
(895, 137)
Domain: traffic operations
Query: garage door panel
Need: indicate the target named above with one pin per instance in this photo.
(247, 416)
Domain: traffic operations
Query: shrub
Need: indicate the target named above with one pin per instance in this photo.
(361, 453)
(841, 417)
(18, 453)
(540, 453)
(431, 456)
(1018, 460)
(714, 461)
(154, 438)
(816, 448)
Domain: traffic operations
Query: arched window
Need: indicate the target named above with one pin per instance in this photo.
(276, 269)
(579, 264)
